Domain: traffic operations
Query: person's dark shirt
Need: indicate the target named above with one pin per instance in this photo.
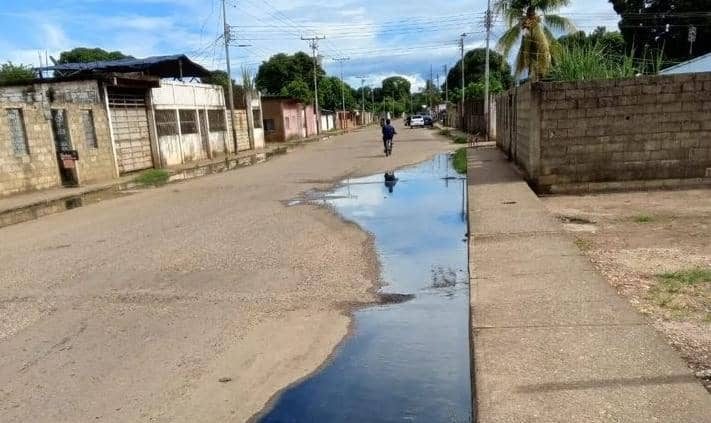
(388, 132)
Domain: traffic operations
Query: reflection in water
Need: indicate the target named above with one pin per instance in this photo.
(406, 361)
(390, 181)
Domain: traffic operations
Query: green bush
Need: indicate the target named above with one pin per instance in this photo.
(461, 140)
(445, 133)
(460, 160)
(153, 177)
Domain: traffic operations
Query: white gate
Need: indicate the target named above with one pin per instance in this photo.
(129, 121)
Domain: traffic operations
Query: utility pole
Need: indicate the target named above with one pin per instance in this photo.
(487, 106)
(340, 61)
(362, 104)
(230, 92)
(313, 43)
(461, 111)
(446, 84)
(372, 104)
(431, 93)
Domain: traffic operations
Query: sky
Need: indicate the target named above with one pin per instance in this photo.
(380, 38)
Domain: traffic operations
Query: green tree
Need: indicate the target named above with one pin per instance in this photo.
(299, 90)
(475, 90)
(612, 42)
(650, 26)
(11, 73)
(396, 87)
(85, 55)
(531, 22)
(283, 69)
(474, 69)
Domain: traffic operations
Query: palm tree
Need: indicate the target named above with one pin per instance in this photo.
(529, 21)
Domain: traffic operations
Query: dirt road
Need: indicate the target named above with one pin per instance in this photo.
(132, 310)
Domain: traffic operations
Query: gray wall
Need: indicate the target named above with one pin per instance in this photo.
(644, 132)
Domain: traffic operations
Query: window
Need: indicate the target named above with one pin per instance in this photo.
(188, 122)
(18, 136)
(87, 123)
(216, 118)
(60, 128)
(166, 123)
(269, 125)
(257, 118)
(286, 122)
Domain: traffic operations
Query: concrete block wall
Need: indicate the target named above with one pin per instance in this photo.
(39, 169)
(642, 132)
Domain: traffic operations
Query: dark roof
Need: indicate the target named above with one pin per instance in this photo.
(175, 66)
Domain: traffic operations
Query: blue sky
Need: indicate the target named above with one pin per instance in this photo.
(382, 38)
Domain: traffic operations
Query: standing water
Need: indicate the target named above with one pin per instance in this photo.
(405, 361)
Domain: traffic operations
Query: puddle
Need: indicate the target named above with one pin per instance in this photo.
(408, 357)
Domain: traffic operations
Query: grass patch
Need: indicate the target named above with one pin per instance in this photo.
(685, 292)
(460, 160)
(153, 177)
(686, 277)
(461, 140)
(643, 218)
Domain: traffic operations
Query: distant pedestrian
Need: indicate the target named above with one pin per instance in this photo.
(388, 135)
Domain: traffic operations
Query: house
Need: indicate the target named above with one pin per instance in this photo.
(93, 122)
(287, 118)
(697, 65)
(328, 120)
(54, 134)
(190, 122)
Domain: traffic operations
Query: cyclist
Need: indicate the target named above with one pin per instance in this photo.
(388, 135)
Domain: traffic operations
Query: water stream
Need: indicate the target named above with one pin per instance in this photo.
(407, 361)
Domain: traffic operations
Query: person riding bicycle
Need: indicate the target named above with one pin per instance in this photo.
(388, 135)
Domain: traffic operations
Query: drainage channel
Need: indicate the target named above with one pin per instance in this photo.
(46, 208)
(407, 359)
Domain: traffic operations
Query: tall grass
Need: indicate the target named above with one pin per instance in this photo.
(589, 62)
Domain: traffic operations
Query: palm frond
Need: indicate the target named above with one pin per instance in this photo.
(508, 39)
(522, 59)
(540, 61)
(553, 44)
(546, 5)
(559, 23)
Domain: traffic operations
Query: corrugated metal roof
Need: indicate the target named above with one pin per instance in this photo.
(174, 66)
(696, 65)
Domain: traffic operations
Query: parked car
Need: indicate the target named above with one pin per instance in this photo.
(428, 121)
(416, 121)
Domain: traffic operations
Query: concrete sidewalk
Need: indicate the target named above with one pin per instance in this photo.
(552, 340)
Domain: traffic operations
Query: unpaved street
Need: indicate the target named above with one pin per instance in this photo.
(132, 310)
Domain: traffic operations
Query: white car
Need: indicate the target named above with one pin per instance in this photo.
(416, 121)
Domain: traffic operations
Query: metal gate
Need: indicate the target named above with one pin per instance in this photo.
(129, 122)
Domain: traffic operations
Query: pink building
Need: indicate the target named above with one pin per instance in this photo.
(286, 118)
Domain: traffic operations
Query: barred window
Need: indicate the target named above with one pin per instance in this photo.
(166, 123)
(18, 136)
(216, 118)
(188, 122)
(286, 123)
(87, 123)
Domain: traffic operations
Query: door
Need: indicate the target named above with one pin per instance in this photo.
(129, 122)
(66, 155)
